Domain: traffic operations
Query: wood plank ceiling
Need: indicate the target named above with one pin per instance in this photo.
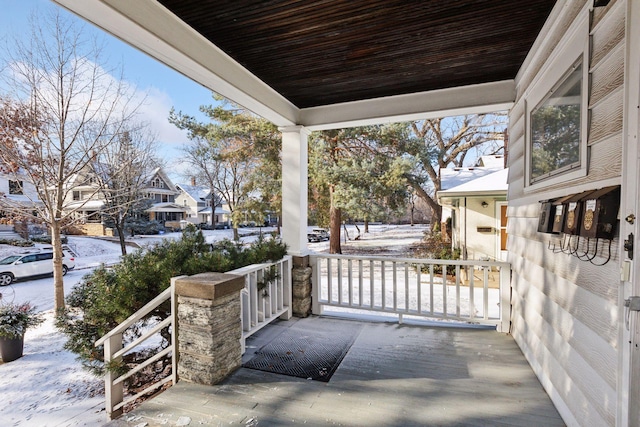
(331, 51)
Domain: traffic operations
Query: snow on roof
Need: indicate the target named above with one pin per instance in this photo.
(196, 192)
(86, 205)
(495, 161)
(450, 178)
(219, 211)
(166, 207)
(491, 182)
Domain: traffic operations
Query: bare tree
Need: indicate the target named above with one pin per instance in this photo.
(122, 170)
(75, 108)
(438, 143)
(205, 167)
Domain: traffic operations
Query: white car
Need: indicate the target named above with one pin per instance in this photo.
(32, 264)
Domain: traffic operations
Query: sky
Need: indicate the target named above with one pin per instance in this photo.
(164, 87)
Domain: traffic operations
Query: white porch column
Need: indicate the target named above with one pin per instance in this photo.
(294, 188)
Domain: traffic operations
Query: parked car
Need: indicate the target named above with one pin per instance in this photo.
(32, 264)
(318, 235)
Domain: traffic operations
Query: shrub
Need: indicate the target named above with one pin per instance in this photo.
(16, 318)
(433, 246)
(15, 242)
(107, 296)
(47, 239)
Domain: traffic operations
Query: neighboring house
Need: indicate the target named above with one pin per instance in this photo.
(17, 192)
(477, 209)
(162, 193)
(196, 199)
(88, 202)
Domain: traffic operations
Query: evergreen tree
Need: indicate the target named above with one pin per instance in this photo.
(359, 175)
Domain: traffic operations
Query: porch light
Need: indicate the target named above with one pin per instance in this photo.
(484, 204)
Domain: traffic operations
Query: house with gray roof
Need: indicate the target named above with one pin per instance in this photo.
(197, 202)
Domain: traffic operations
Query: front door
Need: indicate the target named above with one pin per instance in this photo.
(501, 226)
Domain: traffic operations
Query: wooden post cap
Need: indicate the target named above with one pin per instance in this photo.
(210, 286)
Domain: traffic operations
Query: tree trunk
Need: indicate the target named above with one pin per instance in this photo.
(236, 235)
(436, 209)
(121, 231)
(335, 220)
(213, 210)
(366, 226)
(58, 284)
(413, 209)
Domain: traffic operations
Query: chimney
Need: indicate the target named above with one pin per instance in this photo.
(193, 181)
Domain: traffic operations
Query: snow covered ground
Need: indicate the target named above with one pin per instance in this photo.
(48, 387)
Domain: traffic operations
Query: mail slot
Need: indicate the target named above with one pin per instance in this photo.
(600, 213)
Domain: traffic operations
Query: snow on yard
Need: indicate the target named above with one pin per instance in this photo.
(48, 387)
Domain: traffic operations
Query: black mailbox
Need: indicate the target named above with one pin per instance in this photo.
(600, 213)
(558, 214)
(545, 219)
(573, 213)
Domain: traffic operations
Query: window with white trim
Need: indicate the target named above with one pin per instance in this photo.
(555, 128)
(556, 113)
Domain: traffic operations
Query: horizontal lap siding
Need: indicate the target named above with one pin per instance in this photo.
(565, 316)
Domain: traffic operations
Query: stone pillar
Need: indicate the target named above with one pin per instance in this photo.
(209, 326)
(294, 188)
(301, 286)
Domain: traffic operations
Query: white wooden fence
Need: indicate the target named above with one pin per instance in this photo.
(468, 291)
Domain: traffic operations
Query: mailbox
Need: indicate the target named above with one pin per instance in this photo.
(559, 211)
(599, 215)
(546, 217)
(573, 213)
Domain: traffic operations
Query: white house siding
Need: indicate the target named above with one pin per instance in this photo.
(565, 315)
(480, 244)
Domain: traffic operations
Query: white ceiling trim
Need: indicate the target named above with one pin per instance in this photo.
(149, 27)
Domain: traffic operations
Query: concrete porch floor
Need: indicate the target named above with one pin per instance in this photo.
(393, 375)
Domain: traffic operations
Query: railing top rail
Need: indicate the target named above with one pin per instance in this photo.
(257, 267)
(151, 305)
(416, 260)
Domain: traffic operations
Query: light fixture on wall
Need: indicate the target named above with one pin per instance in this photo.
(484, 204)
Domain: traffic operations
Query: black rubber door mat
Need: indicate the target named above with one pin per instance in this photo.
(306, 354)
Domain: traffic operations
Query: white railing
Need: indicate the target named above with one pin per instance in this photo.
(468, 291)
(266, 295)
(259, 307)
(114, 351)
